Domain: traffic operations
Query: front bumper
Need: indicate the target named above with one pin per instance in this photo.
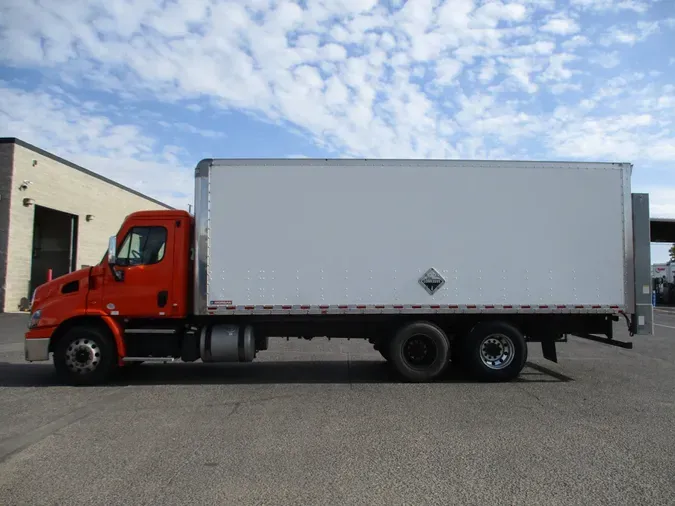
(36, 344)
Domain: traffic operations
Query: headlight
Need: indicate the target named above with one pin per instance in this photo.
(35, 319)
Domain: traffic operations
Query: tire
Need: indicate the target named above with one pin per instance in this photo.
(420, 352)
(85, 356)
(494, 351)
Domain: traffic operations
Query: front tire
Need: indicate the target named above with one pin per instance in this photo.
(494, 351)
(420, 352)
(85, 356)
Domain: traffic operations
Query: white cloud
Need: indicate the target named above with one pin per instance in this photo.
(607, 137)
(560, 25)
(187, 127)
(488, 71)
(333, 52)
(560, 88)
(629, 35)
(576, 42)
(607, 60)
(557, 70)
(661, 200)
(491, 13)
(638, 6)
(447, 71)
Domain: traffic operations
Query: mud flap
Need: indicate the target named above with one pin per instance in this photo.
(548, 350)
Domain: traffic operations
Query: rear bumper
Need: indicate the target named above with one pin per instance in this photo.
(36, 344)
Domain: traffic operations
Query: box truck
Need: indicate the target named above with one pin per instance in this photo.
(435, 262)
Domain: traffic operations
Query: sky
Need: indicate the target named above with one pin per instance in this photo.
(141, 90)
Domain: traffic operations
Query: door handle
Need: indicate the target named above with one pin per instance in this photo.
(162, 298)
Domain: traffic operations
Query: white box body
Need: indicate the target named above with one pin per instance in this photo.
(337, 235)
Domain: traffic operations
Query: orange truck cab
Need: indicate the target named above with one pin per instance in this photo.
(89, 319)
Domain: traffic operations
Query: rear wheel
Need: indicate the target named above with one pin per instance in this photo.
(494, 351)
(419, 351)
(85, 356)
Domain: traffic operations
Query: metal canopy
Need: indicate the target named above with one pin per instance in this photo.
(662, 230)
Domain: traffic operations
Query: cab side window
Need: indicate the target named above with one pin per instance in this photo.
(143, 246)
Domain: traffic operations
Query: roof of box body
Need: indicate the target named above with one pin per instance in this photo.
(19, 142)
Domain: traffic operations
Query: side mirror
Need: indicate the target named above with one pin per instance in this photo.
(112, 250)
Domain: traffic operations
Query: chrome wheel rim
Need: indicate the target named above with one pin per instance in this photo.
(83, 356)
(496, 351)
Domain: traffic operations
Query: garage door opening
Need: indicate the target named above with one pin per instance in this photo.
(54, 245)
(663, 273)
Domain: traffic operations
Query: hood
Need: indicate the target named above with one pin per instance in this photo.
(55, 287)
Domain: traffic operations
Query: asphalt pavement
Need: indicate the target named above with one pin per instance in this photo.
(325, 422)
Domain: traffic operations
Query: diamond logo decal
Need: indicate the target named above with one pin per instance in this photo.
(432, 281)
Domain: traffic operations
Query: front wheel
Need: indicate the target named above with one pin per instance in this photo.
(494, 351)
(85, 356)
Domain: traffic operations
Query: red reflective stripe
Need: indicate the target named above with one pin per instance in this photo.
(415, 306)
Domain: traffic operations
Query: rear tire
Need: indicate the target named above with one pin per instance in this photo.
(419, 352)
(494, 351)
(85, 356)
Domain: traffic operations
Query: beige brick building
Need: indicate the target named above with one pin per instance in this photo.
(53, 215)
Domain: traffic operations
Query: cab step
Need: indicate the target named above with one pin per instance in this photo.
(156, 360)
(142, 330)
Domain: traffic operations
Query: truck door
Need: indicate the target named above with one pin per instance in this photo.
(145, 272)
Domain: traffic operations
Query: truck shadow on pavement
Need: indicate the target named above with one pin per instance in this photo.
(288, 372)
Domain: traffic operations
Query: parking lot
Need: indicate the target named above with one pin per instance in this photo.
(324, 422)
